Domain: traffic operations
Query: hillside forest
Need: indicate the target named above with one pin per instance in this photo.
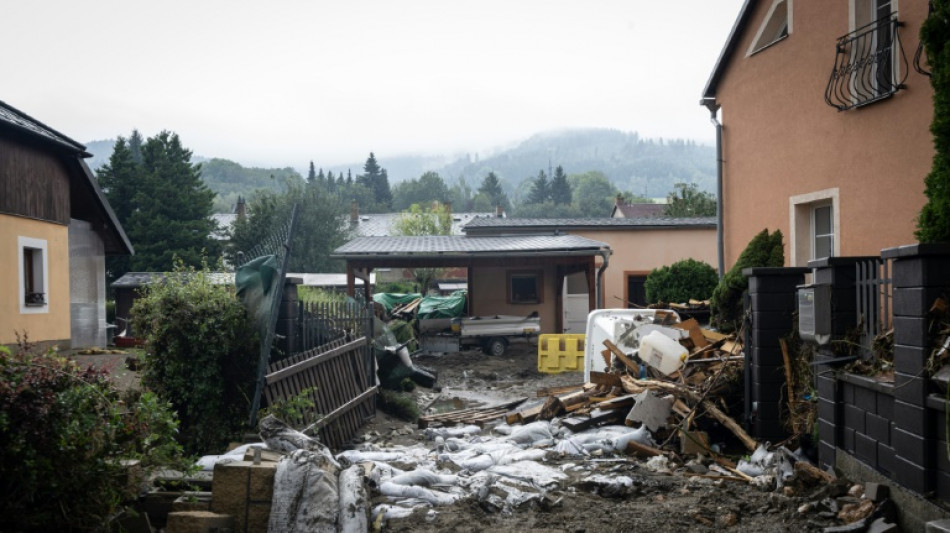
(571, 173)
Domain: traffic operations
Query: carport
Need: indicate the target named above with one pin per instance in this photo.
(513, 275)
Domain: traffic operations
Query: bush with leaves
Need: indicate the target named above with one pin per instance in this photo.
(680, 282)
(726, 304)
(201, 353)
(63, 433)
(933, 224)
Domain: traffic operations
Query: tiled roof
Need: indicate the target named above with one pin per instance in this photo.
(23, 122)
(381, 224)
(640, 210)
(549, 224)
(467, 246)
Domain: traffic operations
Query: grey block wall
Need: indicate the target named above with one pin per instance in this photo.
(771, 307)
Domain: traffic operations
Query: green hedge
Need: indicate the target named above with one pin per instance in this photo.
(726, 304)
(680, 282)
(201, 353)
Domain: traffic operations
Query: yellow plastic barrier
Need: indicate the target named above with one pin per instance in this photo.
(561, 352)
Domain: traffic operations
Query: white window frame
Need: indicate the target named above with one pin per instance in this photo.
(814, 228)
(24, 243)
(757, 45)
(801, 223)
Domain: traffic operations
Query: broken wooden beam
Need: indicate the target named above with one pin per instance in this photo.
(633, 367)
(605, 378)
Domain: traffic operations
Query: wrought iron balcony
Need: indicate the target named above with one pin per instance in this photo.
(870, 65)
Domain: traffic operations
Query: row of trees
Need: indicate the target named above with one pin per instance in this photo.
(161, 201)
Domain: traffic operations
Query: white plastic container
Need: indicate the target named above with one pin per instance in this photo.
(662, 352)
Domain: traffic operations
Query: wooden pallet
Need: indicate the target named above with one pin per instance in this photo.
(479, 416)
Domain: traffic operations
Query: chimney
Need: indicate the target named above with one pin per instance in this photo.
(354, 213)
(241, 208)
(499, 211)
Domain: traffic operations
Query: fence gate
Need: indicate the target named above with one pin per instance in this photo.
(335, 369)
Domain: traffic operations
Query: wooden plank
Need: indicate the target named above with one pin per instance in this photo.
(633, 367)
(596, 418)
(340, 411)
(316, 359)
(605, 378)
(695, 335)
(713, 336)
(635, 448)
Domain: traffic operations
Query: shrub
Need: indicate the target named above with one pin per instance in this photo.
(726, 303)
(681, 281)
(63, 432)
(933, 224)
(201, 352)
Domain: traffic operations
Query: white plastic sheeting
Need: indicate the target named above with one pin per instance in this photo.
(87, 286)
(501, 469)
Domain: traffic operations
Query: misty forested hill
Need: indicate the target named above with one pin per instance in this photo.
(644, 167)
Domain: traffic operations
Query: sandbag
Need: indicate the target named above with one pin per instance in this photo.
(306, 494)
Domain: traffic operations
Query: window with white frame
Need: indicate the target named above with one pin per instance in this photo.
(814, 226)
(823, 230)
(34, 275)
(775, 26)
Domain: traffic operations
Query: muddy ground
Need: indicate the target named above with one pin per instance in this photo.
(657, 502)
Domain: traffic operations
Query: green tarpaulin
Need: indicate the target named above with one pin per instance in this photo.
(392, 299)
(255, 283)
(450, 306)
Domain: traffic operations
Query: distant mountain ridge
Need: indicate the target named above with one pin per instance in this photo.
(645, 167)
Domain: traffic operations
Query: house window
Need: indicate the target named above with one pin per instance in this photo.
(870, 63)
(775, 27)
(524, 287)
(814, 224)
(823, 242)
(34, 275)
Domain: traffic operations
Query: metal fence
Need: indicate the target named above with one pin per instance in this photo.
(278, 245)
(873, 288)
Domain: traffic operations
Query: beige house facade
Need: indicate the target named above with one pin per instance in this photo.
(638, 245)
(825, 117)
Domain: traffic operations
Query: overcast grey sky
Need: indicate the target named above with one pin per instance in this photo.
(283, 82)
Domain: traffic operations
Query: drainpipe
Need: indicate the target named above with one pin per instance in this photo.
(710, 104)
(600, 275)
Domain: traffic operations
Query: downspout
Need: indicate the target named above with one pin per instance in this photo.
(600, 276)
(713, 107)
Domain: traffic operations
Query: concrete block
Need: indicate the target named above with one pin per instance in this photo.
(913, 476)
(910, 359)
(854, 418)
(768, 376)
(828, 410)
(827, 387)
(261, 484)
(915, 301)
(913, 419)
(885, 406)
(865, 449)
(773, 301)
(847, 439)
(865, 399)
(828, 432)
(826, 453)
(774, 284)
(921, 272)
(773, 320)
(914, 448)
(877, 427)
(911, 331)
(911, 388)
(198, 522)
(244, 490)
(886, 457)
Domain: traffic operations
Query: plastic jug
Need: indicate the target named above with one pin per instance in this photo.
(662, 352)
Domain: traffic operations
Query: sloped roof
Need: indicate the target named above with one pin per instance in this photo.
(639, 210)
(12, 117)
(497, 225)
(85, 187)
(727, 50)
(467, 246)
(381, 224)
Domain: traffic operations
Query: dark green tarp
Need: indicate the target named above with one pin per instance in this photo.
(254, 282)
(392, 299)
(450, 306)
